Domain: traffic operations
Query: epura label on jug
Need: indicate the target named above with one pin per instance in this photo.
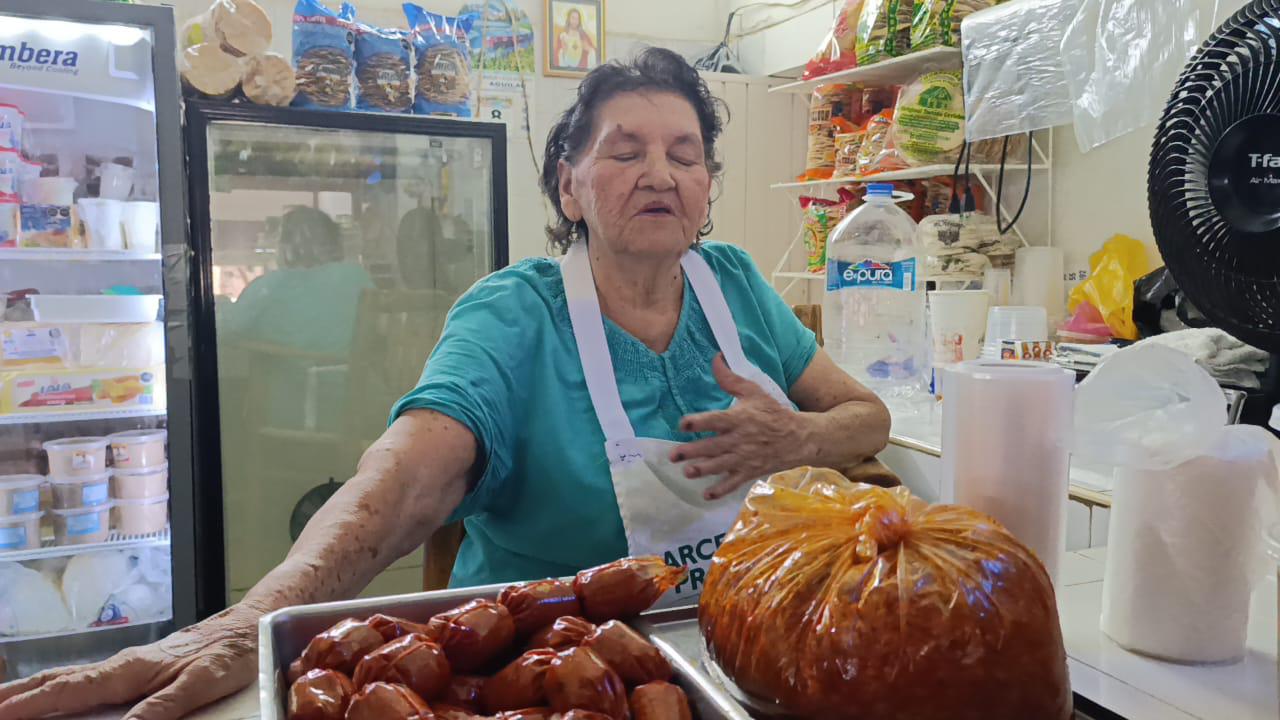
(900, 275)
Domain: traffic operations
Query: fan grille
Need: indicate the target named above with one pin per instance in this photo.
(1232, 275)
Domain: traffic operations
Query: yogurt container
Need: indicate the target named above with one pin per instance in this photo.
(140, 483)
(134, 449)
(80, 492)
(82, 526)
(19, 494)
(20, 532)
(141, 517)
(77, 457)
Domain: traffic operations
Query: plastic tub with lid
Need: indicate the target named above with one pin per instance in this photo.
(80, 492)
(20, 494)
(1272, 541)
(141, 517)
(140, 483)
(77, 456)
(81, 526)
(20, 532)
(133, 449)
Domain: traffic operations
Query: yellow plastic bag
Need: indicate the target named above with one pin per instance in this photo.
(1112, 272)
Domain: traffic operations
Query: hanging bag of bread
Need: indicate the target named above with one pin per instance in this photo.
(884, 30)
(828, 115)
(838, 600)
(443, 62)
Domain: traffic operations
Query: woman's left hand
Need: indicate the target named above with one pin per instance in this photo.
(754, 438)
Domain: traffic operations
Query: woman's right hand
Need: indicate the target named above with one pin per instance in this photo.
(187, 670)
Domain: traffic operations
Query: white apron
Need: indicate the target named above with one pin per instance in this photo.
(663, 512)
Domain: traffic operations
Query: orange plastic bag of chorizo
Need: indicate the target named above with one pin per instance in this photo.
(837, 600)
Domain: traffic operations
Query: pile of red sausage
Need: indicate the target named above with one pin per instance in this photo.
(559, 649)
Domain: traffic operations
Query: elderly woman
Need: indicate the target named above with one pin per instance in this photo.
(619, 400)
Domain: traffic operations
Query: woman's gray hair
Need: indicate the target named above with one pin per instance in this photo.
(654, 69)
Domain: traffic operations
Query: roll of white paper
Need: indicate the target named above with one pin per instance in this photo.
(1005, 434)
(1037, 280)
(1180, 553)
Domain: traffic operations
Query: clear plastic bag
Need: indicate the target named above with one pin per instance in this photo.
(838, 600)
(1148, 407)
(1121, 59)
(1013, 76)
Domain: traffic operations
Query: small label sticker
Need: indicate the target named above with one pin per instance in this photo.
(27, 501)
(81, 460)
(120, 453)
(92, 495)
(84, 524)
(12, 538)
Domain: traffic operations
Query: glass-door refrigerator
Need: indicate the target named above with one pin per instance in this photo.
(94, 437)
(328, 246)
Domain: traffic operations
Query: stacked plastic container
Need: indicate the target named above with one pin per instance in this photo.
(139, 481)
(95, 485)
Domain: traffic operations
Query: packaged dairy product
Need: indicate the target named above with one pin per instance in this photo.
(32, 604)
(46, 226)
(77, 457)
(133, 449)
(120, 345)
(20, 532)
(24, 392)
(81, 526)
(27, 345)
(10, 162)
(140, 483)
(80, 492)
(20, 494)
(10, 223)
(142, 516)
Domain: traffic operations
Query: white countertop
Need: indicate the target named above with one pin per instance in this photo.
(1132, 686)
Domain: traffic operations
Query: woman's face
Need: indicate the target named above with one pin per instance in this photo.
(641, 184)
(573, 21)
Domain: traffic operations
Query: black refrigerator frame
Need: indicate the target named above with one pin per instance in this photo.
(209, 559)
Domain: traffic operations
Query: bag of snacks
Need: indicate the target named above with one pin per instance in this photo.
(821, 217)
(838, 49)
(827, 112)
(443, 62)
(937, 22)
(323, 55)
(837, 600)
(877, 153)
(384, 78)
(928, 125)
(884, 30)
(847, 146)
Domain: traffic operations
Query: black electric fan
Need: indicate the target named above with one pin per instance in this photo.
(1214, 179)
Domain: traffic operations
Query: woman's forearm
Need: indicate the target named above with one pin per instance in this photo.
(845, 435)
(404, 489)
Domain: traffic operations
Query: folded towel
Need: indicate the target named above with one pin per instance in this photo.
(1228, 360)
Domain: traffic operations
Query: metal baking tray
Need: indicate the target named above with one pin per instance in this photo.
(283, 634)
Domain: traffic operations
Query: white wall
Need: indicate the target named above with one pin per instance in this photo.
(686, 26)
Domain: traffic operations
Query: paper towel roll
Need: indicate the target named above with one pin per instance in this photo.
(1180, 550)
(1037, 280)
(1005, 433)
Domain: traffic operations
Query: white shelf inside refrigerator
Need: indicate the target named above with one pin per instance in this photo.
(72, 416)
(115, 541)
(74, 255)
(78, 631)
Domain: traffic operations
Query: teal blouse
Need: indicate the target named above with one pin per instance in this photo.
(507, 368)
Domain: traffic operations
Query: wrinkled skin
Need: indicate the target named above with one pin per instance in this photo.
(406, 485)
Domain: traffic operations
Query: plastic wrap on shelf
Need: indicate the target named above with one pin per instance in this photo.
(67, 346)
(835, 599)
(80, 390)
(1121, 58)
(1014, 80)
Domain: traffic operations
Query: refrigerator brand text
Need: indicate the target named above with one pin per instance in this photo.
(38, 59)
